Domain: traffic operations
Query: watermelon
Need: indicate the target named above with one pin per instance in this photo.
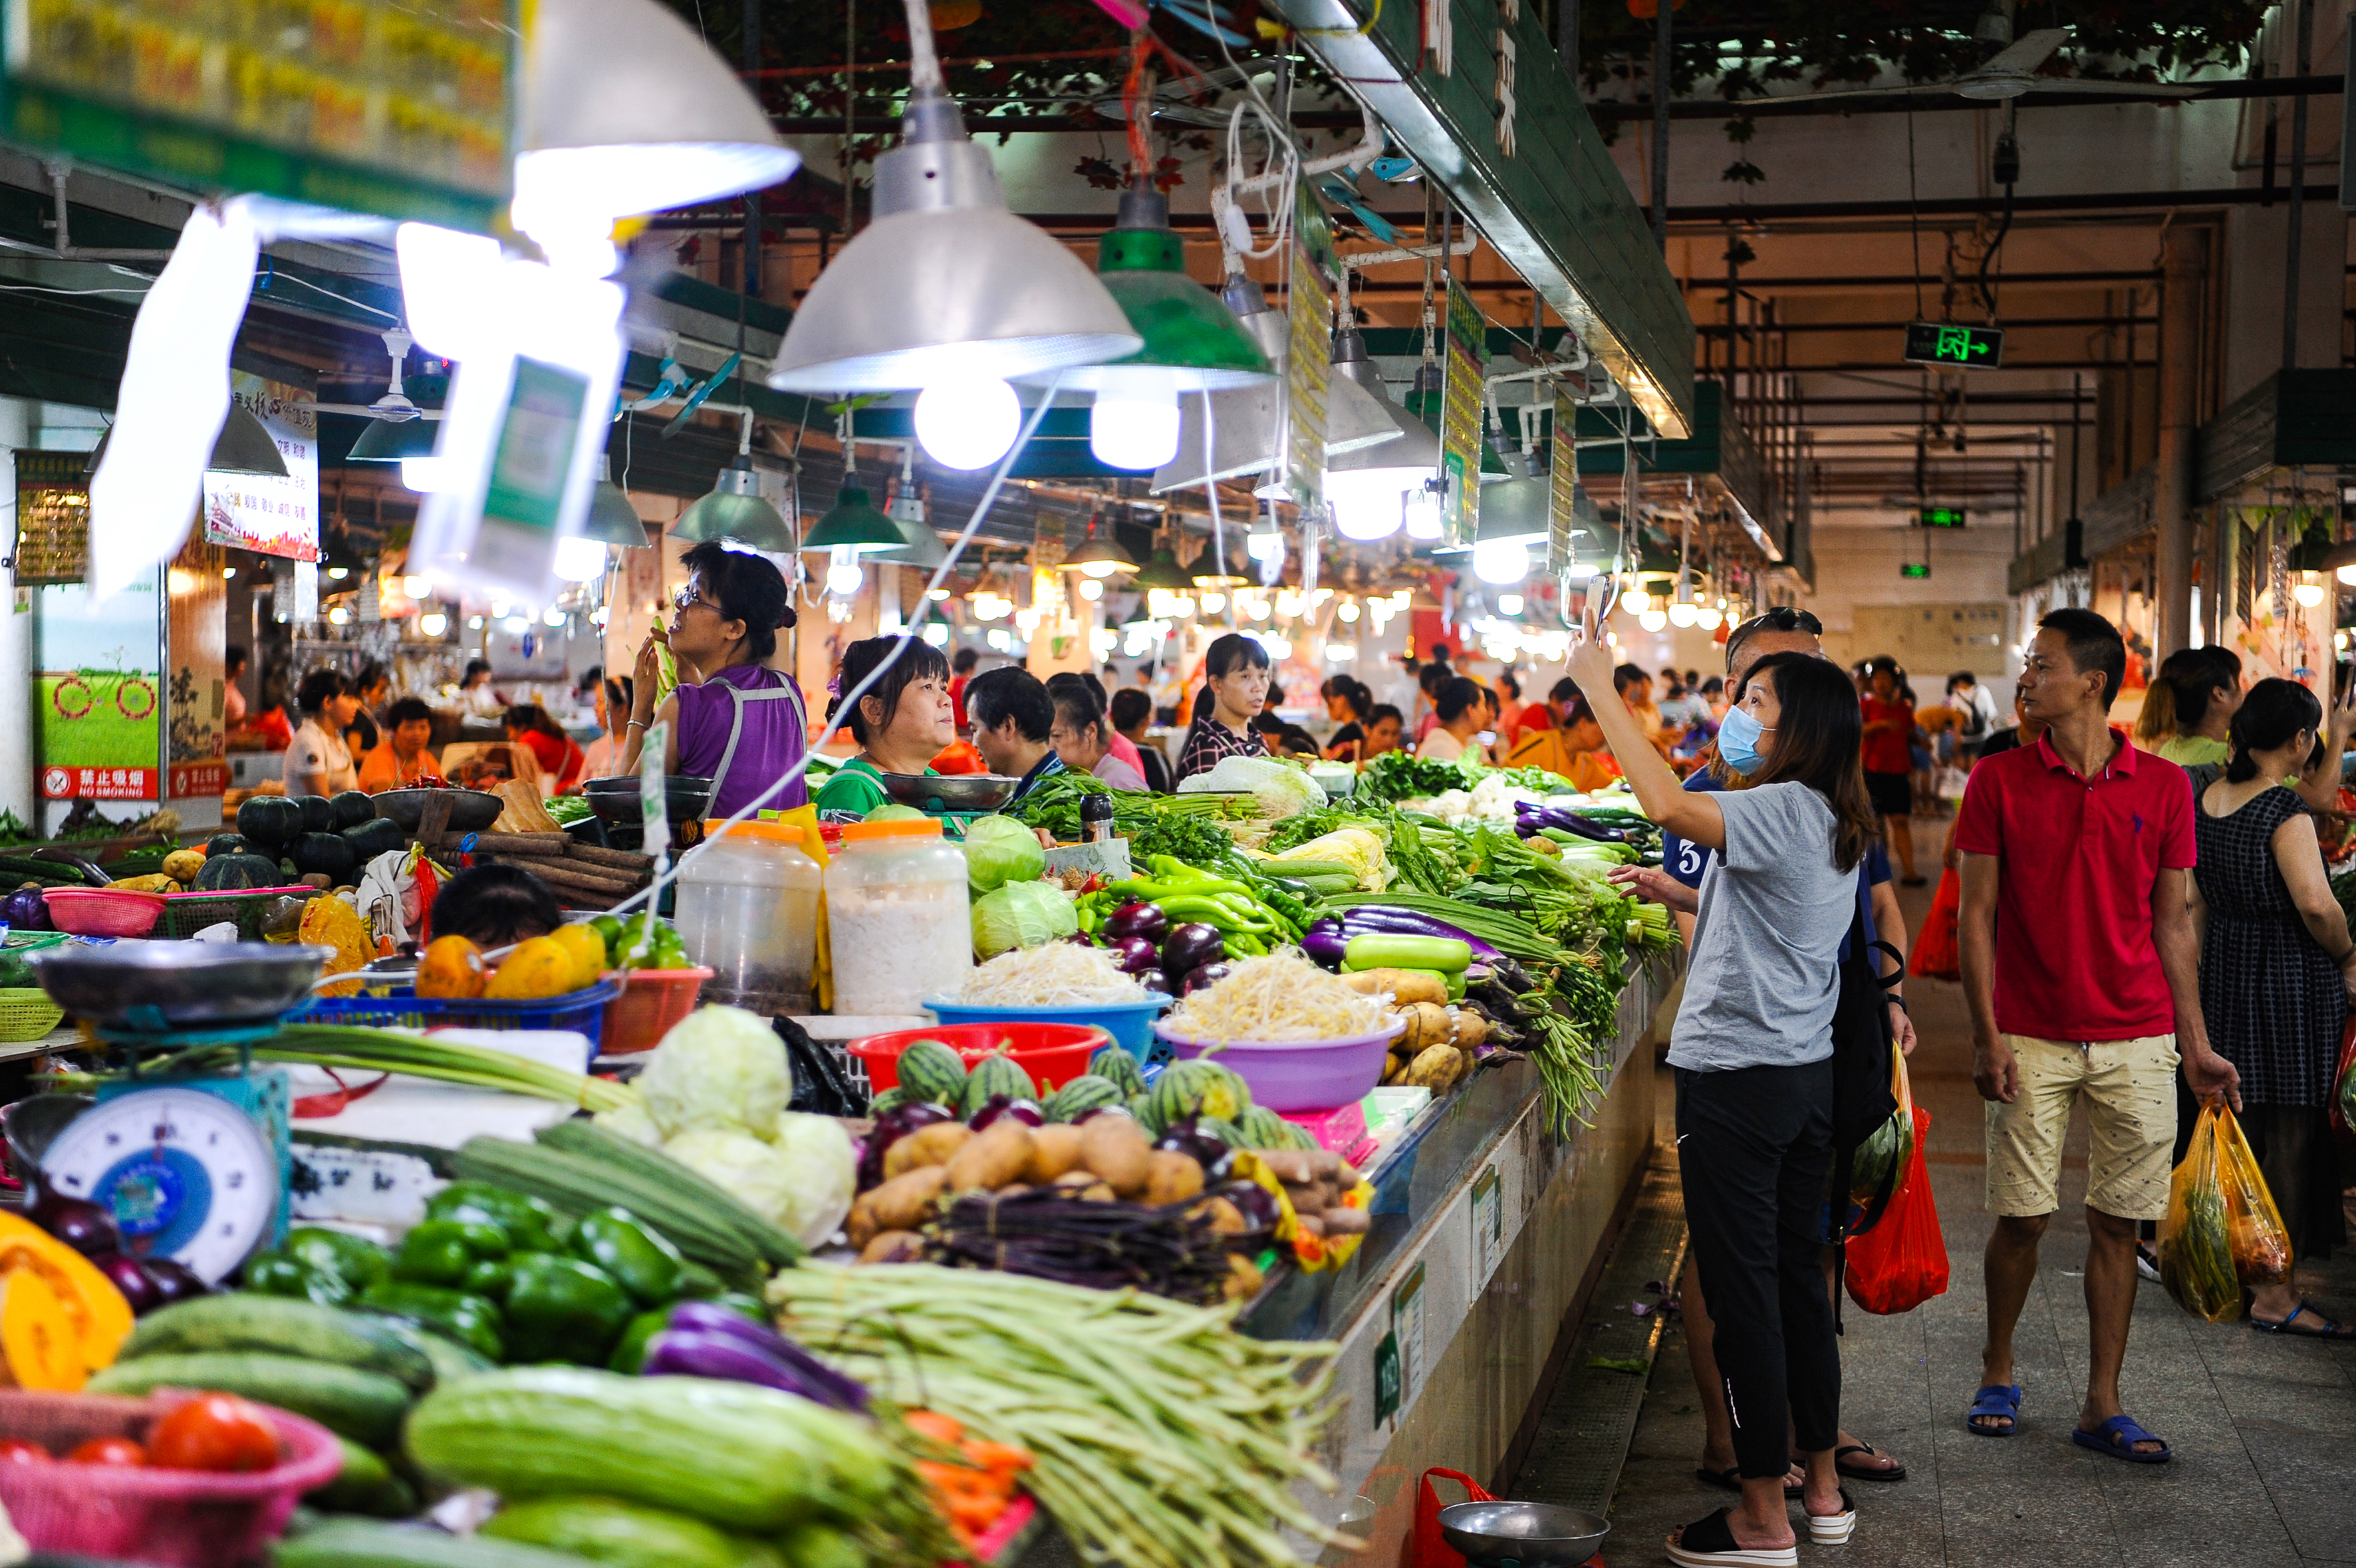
(1199, 1088)
(930, 1071)
(995, 1074)
(1226, 1133)
(1141, 1108)
(1261, 1128)
(1084, 1093)
(891, 1098)
(1296, 1136)
(1117, 1067)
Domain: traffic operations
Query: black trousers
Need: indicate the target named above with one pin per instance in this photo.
(1755, 1148)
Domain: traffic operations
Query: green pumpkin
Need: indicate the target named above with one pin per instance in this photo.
(237, 874)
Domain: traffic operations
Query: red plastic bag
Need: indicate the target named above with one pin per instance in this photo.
(2343, 1081)
(1902, 1262)
(1430, 1549)
(1937, 955)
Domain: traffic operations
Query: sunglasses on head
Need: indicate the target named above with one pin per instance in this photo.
(1784, 617)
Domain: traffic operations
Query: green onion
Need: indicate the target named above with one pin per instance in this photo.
(346, 1048)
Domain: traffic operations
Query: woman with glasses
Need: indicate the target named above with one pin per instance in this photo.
(732, 719)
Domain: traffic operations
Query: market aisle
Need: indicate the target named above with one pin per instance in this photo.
(2262, 1428)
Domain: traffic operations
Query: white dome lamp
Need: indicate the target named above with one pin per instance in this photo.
(1370, 489)
(946, 292)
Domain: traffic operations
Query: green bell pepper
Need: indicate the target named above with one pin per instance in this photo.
(560, 1309)
(276, 1273)
(641, 1261)
(441, 1252)
(531, 1224)
(489, 1278)
(354, 1259)
(631, 1353)
(471, 1320)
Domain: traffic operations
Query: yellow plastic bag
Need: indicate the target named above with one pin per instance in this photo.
(2222, 1232)
(329, 922)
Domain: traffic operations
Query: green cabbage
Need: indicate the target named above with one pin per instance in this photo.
(631, 1121)
(719, 1066)
(825, 1174)
(1000, 850)
(1278, 789)
(893, 811)
(1021, 915)
(759, 1176)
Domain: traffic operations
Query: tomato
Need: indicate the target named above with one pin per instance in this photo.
(16, 1451)
(108, 1451)
(214, 1432)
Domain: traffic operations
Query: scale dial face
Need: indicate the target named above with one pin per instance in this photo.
(188, 1175)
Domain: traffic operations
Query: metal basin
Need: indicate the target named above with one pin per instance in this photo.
(471, 810)
(616, 799)
(159, 986)
(1536, 1535)
(939, 792)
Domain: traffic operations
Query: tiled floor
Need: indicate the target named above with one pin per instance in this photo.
(2264, 1428)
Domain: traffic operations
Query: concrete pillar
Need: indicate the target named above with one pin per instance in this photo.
(2184, 268)
(18, 748)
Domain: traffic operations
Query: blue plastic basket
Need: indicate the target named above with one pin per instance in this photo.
(1130, 1023)
(580, 1011)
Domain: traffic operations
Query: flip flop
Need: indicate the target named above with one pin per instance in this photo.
(1895, 1472)
(1730, 1480)
(1834, 1530)
(2331, 1329)
(2117, 1438)
(1995, 1399)
(1708, 1543)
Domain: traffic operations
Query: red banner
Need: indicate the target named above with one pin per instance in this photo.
(98, 783)
(187, 778)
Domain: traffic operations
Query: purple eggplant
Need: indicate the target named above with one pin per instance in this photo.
(131, 1277)
(1253, 1202)
(890, 1128)
(1326, 943)
(88, 1227)
(175, 1280)
(823, 1382)
(1026, 1112)
(1365, 920)
(1208, 974)
(691, 1353)
(1182, 1137)
(1529, 816)
(1136, 955)
(1154, 981)
(1137, 918)
(1190, 946)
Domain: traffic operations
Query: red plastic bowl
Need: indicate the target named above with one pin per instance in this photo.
(1052, 1053)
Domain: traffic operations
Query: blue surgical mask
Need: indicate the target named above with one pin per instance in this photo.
(1738, 741)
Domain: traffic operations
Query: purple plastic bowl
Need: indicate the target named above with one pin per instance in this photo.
(1302, 1075)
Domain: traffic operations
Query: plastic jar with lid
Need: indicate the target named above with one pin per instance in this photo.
(748, 911)
(898, 918)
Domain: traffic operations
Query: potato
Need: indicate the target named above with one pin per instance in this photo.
(1341, 1221)
(1085, 1186)
(990, 1159)
(1471, 1029)
(1226, 1219)
(1172, 1177)
(904, 1203)
(1392, 1067)
(930, 1146)
(1243, 1279)
(1053, 1151)
(1299, 1166)
(1433, 1068)
(1114, 1148)
(1427, 1025)
(893, 1247)
(1406, 985)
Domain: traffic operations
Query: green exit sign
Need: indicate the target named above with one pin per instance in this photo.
(1938, 343)
(1941, 517)
(1914, 569)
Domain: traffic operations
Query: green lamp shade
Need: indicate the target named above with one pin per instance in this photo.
(735, 510)
(386, 442)
(1427, 403)
(1164, 572)
(919, 547)
(1187, 327)
(856, 523)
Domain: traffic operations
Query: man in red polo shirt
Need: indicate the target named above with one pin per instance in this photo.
(2083, 978)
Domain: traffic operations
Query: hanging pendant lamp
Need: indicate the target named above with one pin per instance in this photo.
(244, 446)
(612, 518)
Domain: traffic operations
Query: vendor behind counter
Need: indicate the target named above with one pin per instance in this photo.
(731, 719)
(901, 723)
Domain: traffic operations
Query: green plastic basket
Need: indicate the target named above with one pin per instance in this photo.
(27, 1014)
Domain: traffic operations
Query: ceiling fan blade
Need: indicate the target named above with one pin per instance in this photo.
(2024, 54)
(2117, 89)
(1911, 88)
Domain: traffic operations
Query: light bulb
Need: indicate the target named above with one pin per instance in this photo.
(1278, 647)
(2339, 640)
(416, 587)
(1256, 608)
(1347, 613)
(968, 422)
(1027, 620)
(1213, 603)
(1501, 561)
(1182, 605)
(1264, 544)
(1100, 570)
(2308, 593)
(433, 623)
(577, 561)
(1707, 618)
(1682, 614)
(339, 617)
(475, 623)
(1367, 503)
(338, 572)
(229, 572)
(1135, 422)
(1653, 620)
(552, 617)
(1635, 601)
(1091, 590)
(1422, 512)
(843, 575)
(2347, 575)
(1509, 604)
(937, 594)
(516, 623)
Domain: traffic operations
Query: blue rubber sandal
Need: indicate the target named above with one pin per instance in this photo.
(1998, 1400)
(2117, 1438)
(2329, 1329)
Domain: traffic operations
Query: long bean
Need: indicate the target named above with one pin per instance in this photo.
(1164, 1439)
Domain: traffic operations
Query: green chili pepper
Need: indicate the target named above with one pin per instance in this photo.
(441, 1252)
(532, 1225)
(354, 1259)
(642, 1261)
(560, 1309)
(471, 1320)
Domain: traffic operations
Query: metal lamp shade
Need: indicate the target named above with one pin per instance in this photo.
(947, 283)
(735, 510)
(1245, 420)
(921, 547)
(1513, 512)
(1100, 553)
(244, 446)
(854, 522)
(386, 442)
(624, 110)
(612, 518)
(1165, 573)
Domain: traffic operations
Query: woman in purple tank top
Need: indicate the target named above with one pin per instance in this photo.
(731, 719)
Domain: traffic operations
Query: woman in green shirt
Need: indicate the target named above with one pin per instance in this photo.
(901, 723)
(2187, 710)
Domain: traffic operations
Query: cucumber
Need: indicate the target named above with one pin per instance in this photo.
(626, 1535)
(279, 1326)
(366, 1407)
(357, 1543)
(1305, 869)
(365, 1485)
(450, 1360)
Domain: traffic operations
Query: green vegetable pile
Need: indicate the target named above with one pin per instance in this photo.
(1185, 827)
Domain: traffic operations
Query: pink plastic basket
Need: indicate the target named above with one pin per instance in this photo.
(176, 1519)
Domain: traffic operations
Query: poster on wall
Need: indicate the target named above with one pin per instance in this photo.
(52, 518)
(1308, 356)
(100, 693)
(261, 511)
(1460, 425)
(197, 765)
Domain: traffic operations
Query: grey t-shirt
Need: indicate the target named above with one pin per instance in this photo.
(1764, 973)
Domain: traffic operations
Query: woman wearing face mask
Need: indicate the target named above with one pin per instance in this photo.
(1235, 687)
(1752, 1049)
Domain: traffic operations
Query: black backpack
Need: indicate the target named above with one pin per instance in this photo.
(1862, 1099)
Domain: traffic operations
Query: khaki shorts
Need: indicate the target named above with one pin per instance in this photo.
(2130, 1087)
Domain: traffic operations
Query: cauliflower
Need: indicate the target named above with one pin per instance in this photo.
(825, 1174)
(631, 1121)
(757, 1174)
(1492, 800)
(1449, 805)
(719, 1066)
